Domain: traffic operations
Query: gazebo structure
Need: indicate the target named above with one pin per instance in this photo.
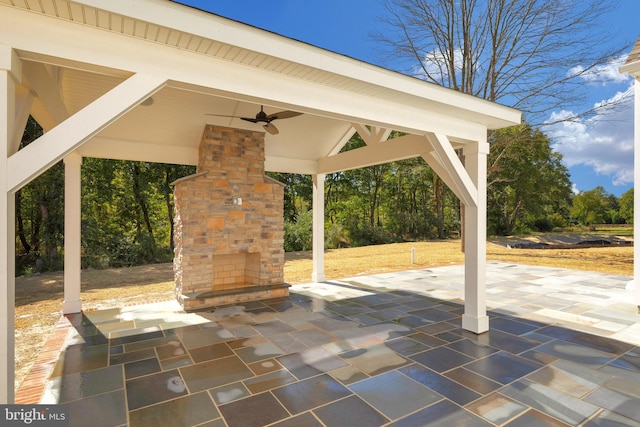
(136, 80)
(632, 66)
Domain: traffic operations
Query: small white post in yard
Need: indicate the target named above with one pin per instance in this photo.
(413, 255)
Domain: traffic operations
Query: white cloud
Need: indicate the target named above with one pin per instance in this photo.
(603, 142)
(602, 74)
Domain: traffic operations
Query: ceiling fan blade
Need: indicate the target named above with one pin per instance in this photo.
(271, 129)
(283, 115)
(248, 119)
(221, 115)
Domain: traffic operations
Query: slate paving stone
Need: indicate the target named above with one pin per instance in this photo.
(533, 418)
(441, 359)
(214, 373)
(629, 360)
(351, 411)
(253, 411)
(306, 361)
(311, 362)
(551, 402)
(440, 384)
(189, 410)
(611, 419)
(512, 326)
(503, 341)
(620, 403)
(108, 409)
(394, 394)
(443, 413)
(605, 345)
(503, 367)
(310, 393)
(472, 349)
(154, 388)
(576, 353)
(497, 408)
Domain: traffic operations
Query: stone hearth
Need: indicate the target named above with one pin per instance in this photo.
(229, 225)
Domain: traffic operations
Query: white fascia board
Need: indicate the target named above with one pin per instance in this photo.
(116, 149)
(204, 24)
(69, 135)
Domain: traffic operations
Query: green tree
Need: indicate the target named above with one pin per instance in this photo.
(526, 180)
(591, 207)
(626, 206)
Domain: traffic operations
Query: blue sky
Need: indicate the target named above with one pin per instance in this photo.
(598, 151)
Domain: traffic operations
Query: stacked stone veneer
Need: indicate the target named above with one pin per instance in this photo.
(229, 224)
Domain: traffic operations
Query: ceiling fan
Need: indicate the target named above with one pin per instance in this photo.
(265, 118)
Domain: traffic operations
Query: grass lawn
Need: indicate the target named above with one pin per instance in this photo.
(39, 297)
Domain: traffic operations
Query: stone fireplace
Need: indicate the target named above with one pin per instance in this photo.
(229, 225)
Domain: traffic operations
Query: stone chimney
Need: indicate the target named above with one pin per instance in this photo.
(229, 224)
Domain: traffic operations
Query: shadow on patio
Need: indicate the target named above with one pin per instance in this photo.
(367, 351)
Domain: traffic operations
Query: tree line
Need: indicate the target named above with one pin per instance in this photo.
(530, 54)
(127, 207)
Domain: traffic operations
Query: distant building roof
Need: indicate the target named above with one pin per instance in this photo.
(634, 55)
(632, 66)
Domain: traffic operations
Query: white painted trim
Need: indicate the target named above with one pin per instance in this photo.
(51, 147)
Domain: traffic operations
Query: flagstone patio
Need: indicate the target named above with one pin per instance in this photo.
(366, 351)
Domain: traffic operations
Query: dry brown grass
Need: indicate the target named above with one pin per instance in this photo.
(39, 297)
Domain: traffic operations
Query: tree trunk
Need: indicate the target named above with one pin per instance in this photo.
(20, 223)
(141, 202)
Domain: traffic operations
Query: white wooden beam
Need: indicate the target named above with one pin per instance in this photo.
(372, 136)
(287, 165)
(24, 101)
(51, 147)
(406, 147)
(117, 149)
(446, 155)
(50, 108)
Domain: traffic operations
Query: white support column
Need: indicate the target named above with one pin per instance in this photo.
(475, 317)
(10, 75)
(318, 228)
(72, 243)
(636, 199)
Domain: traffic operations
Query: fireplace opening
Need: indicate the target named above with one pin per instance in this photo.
(236, 271)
